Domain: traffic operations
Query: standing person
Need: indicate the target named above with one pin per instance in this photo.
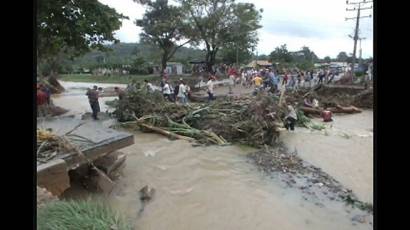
(120, 93)
(293, 81)
(321, 76)
(285, 79)
(92, 95)
(41, 102)
(258, 82)
(307, 79)
(302, 79)
(291, 118)
(299, 78)
(182, 92)
(210, 85)
(150, 87)
(176, 90)
(166, 91)
(231, 83)
(47, 91)
(243, 78)
(274, 79)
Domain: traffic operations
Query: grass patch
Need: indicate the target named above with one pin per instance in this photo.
(120, 79)
(85, 214)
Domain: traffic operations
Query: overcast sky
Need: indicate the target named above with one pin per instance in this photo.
(318, 24)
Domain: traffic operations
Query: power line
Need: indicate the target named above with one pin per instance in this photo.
(358, 6)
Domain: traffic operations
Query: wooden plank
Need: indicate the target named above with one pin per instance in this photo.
(53, 176)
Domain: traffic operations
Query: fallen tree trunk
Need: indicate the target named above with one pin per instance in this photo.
(348, 109)
(165, 132)
(338, 109)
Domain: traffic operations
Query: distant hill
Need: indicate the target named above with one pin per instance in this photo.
(127, 53)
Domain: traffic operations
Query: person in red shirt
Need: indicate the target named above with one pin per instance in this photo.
(41, 102)
(327, 115)
(285, 79)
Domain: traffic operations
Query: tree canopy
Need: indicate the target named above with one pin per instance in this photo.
(342, 57)
(74, 27)
(164, 26)
(222, 24)
(281, 55)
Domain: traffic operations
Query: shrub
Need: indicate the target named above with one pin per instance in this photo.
(85, 214)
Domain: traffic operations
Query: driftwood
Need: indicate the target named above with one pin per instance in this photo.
(337, 109)
(165, 132)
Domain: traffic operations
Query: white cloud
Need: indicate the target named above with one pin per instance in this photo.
(318, 24)
(129, 32)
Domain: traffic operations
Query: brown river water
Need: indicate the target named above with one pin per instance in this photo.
(219, 188)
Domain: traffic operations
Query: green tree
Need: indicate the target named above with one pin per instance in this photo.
(342, 57)
(222, 23)
(74, 27)
(163, 25)
(243, 38)
(230, 53)
(309, 55)
(327, 59)
(281, 55)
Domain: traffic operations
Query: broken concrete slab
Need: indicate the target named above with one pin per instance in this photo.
(53, 176)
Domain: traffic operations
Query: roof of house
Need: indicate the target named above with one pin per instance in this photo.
(173, 63)
(259, 62)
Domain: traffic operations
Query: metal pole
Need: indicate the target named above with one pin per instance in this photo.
(356, 32)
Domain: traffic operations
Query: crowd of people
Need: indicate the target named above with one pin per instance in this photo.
(262, 79)
(178, 93)
(269, 78)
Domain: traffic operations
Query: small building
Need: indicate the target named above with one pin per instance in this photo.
(259, 64)
(173, 68)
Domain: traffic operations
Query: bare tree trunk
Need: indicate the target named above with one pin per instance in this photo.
(210, 60)
(164, 63)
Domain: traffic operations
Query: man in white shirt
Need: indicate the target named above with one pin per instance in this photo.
(210, 85)
(182, 93)
(291, 118)
(150, 87)
(166, 90)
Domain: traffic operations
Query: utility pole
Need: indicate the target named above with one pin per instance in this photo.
(358, 6)
(360, 50)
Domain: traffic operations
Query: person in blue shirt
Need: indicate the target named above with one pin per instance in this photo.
(274, 79)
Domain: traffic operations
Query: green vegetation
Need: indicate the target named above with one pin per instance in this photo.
(164, 25)
(303, 59)
(138, 55)
(123, 79)
(73, 28)
(219, 23)
(87, 214)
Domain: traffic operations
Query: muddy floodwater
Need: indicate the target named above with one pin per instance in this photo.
(75, 100)
(344, 150)
(220, 188)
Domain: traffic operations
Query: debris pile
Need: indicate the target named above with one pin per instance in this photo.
(50, 145)
(335, 96)
(246, 120)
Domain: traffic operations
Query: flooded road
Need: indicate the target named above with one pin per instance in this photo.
(219, 188)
